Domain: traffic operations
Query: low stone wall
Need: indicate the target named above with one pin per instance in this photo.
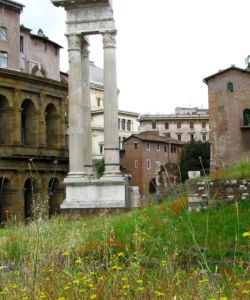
(204, 192)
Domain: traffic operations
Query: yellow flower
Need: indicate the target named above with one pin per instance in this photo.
(248, 282)
(14, 286)
(61, 298)
(78, 261)
(116, 268)
(203, 280)
(124, 278)
(93, 296)
(50, 270)
(76, 281)
(92, 273)
(67, 288)
(164, 263)
(126, 286)
(120, 254)
(47, 279)
(246, 234)
(139, 281)
(42, 295)
(140, 289)
(223, 298)
(91, 285)
(237, 284)
(65, 254)
(2, 293)
(101, 278)
(212, 299)
(245, 292)
(159, 294)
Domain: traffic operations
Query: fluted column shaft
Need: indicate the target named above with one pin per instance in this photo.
(75, 108)
(88, 167)
(111, 135)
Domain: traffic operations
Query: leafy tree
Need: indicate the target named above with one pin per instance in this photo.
(194, 157)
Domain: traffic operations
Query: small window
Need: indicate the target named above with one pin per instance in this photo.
(45, 46)
(129, 125)
(191, 137)
(191, 125)
(101, 149)
(148, 146)
(153, 125)
(166, 125)
(203, 124)
(56, 51)
(3, 59)
(119, 124)
(3, 33)
(148, 164)
(230, 87)
(204, 137)
(178, 125)
(136, 146)
(123, 124)
(179, 137)
(136, 164)
(165, 148)
(158, 147)
(99, 102)
(173, 149)
(21, 44)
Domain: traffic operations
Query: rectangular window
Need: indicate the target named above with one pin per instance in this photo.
(3, 33)
(56, 51)
(136, 164)
(21, 44)
(148, 164)
(123, 124)
(45, 46)
(165, 148)
(101, 149)
(203, 124)
(173, 149)
(191, 125)
(136, 146)
(204, 137)
(191, 137)
(179, 137)
(158, 147)
(3, 59)
(166, 125)
(153, 125)
(129, 125)
(178, 125)
(98, 102)
(148, 146)
(119, 124)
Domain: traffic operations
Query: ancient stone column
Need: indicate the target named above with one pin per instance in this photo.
(111, 135)
(88, 167)
(75, 108)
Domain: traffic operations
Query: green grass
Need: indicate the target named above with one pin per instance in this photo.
(149, 253)
(241, 171)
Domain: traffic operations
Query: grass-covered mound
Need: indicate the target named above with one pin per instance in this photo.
(156, 252)
(240, 171)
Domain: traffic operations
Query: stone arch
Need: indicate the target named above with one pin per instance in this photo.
(38, 71)
(56, 196)
(4, 120)
(30, 192)
(28, 123)
(246, 117)
(52, 125)
(5, 199)
(152, 186)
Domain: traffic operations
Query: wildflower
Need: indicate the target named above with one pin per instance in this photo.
(164, 263)
(93, 296)
(223, 298)
(101, 278)
(203, 280)
(78, 261)
(76, 281)
(92, 273)
(248, 282)
(42, 295)
(91, 285)
(47, 279)
(237, 284)
(126, 286)
(246, 234)
(1, 267)
(139, 281)
(67, 288)
(124, 278)
(116, 268)
(14, 286)
(50, 270)
(120, 254)
(61, 298)
(212, 299)
(2, 293)
(65, 254)
(245, 292)
(140, 289)
(125, 293)
(159, 294)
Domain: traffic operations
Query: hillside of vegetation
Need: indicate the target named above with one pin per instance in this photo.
(155, 252)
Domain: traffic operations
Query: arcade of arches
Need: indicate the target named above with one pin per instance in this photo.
(33, 153)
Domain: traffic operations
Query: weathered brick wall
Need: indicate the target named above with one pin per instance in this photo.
(205, 193)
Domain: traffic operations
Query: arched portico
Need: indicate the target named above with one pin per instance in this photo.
(28, 123)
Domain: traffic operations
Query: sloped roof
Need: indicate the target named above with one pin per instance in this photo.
(224, 71)
(12, 5)
(147, 137)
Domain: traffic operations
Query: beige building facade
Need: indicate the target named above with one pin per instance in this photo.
(185, 125)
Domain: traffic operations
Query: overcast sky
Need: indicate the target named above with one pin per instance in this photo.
(164, 48)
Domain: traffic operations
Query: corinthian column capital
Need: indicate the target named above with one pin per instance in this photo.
(74, 42)
(109, 39)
